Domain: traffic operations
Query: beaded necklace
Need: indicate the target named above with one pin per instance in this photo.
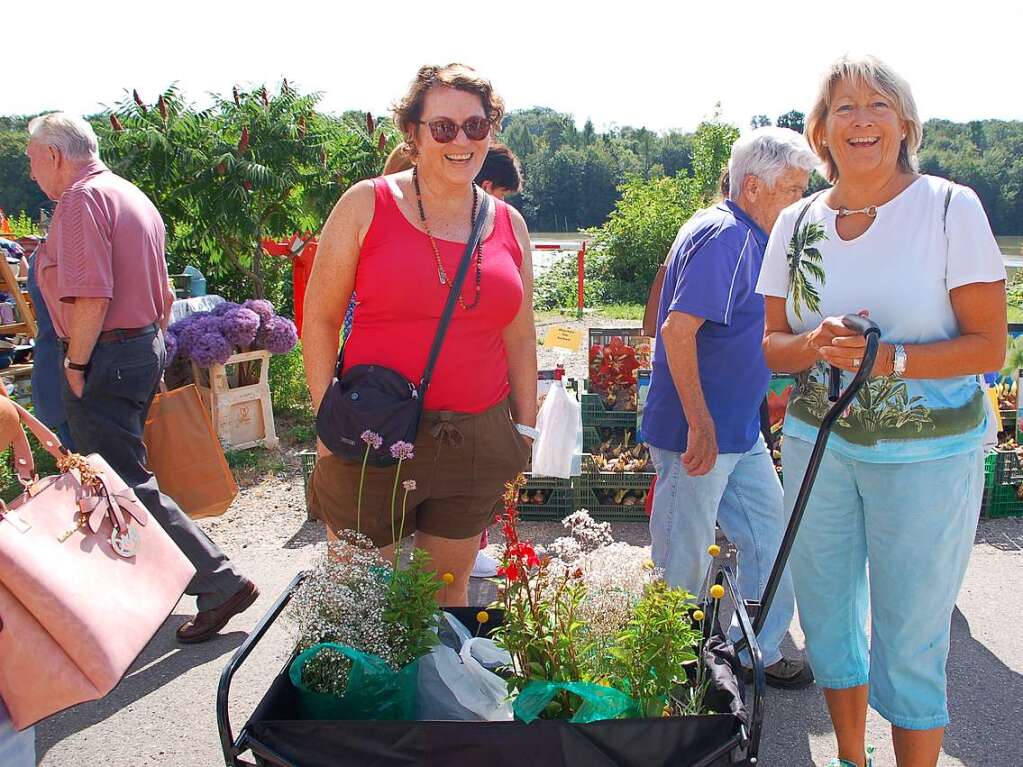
(441, 274)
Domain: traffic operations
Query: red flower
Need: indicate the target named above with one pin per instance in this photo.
(510, 571)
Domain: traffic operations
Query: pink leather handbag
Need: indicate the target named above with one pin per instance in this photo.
(86, 579)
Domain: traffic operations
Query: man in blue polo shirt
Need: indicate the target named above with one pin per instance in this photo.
(702, 414)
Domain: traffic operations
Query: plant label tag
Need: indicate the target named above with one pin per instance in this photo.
(564, 338)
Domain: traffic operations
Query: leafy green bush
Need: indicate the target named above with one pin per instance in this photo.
(288, 389)
(557, 286)
(634, 240)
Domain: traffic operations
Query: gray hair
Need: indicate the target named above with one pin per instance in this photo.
(767, 153)
(73, 136)
(883, 79)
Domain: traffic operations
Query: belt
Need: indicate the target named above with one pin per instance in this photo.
(122, 334)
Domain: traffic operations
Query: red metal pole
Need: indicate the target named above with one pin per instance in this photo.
(581, 257)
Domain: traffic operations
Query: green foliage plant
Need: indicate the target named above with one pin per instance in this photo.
(255, 165)
(650, 656)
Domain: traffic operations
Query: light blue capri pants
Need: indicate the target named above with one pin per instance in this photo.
(912, 525)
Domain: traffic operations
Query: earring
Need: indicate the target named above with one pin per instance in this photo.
(824, 142)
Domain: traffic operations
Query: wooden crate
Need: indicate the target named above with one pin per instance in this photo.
(242, 415)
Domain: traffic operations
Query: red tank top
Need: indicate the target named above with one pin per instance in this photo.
(399, 300)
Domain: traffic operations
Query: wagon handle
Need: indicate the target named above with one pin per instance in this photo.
(748, 738)
(869, 330)
(227, 742)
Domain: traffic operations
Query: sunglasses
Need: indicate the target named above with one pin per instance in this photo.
(445, 130)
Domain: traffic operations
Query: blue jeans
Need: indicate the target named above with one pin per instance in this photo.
(17, 749)
(743, 495)
(911, 525)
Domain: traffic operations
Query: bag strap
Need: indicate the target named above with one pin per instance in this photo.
(456, 290)
(24, 465)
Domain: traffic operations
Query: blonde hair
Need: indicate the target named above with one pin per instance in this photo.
(882, 78)
(409, 110)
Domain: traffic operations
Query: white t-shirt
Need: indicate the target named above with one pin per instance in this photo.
(901, 270)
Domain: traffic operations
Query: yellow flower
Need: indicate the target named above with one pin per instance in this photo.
(648, 565)
(482, 616)
(698, 616)
(717, 591)
(713, 549)
(448, 578)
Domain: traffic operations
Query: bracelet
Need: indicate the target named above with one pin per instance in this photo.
(527, 431)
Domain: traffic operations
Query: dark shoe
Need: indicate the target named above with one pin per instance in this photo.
(208, 622)
(786, 674)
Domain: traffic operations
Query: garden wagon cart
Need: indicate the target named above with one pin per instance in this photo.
(729, 736)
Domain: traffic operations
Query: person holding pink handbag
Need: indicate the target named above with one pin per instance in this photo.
(17, 749)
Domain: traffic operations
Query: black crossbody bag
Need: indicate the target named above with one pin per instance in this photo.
(377, 399)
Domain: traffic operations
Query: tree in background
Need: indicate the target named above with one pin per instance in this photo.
(255, 165)
(627, 249)
(793, 120)
(759, 121)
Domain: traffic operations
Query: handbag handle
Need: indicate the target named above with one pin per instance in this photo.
(24, 464)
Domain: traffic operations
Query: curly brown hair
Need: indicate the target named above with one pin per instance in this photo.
(409, 110)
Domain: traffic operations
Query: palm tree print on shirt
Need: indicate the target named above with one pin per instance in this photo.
(805, 268)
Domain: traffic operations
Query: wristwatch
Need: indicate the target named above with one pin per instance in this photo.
(899, 364)
(74, 365)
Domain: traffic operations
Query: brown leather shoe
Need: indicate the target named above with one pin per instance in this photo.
(208, 622)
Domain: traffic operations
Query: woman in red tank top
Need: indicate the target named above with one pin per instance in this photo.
(395, 242)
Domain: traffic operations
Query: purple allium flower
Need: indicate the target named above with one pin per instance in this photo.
(239, 326)
(262, 307)
(223, 308)
(402, 450)
(372, 439)
(210, 348)
(171, 342)
(409, 485)
(278, 336)
(191, 327)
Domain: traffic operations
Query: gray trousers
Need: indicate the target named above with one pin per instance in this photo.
(108, 419)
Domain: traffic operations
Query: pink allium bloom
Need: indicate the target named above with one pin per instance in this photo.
(409, 485)
(402, 450)
(372, 439)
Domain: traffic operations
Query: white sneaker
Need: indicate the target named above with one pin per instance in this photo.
(485, 567)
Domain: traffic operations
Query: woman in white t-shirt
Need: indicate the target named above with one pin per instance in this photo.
(900, 485)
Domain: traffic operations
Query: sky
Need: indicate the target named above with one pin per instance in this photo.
(664, 65)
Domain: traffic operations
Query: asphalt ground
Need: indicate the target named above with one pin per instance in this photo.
(163, 712)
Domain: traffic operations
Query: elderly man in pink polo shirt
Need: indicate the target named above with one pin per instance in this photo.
(104, 280)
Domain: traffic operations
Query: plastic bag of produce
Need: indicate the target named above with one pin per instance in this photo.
(599, 701)
(560, 424)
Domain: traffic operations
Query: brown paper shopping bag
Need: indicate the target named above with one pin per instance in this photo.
(185, 454)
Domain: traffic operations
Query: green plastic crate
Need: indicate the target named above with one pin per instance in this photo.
(559, 502)
(1003, 476)
(591, 480)
(596, 416)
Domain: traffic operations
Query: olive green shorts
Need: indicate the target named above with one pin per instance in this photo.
(460, 466)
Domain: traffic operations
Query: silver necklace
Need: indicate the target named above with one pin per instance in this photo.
(870, 211)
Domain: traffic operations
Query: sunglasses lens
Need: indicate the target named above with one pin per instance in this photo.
(443, 131)
(476, 128)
